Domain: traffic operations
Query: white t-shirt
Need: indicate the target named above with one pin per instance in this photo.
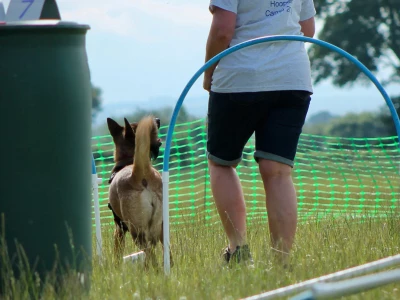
(271, 66)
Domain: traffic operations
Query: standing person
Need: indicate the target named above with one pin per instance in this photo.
(263, 89)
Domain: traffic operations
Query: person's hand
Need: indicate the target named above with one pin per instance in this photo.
(207, 82)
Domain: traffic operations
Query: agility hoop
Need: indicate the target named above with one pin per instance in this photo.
(212, 61)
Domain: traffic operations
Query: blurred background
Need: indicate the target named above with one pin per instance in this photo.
(143, 52)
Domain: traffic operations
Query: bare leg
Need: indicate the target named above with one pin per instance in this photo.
(281, 205)
(228, 196)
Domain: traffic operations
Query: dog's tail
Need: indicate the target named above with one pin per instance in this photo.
(145, 132)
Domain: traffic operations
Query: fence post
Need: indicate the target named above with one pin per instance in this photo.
(96, 205)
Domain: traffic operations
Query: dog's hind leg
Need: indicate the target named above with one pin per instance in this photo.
(119, 236)
(151, 256)
(142, 241)
(119, 242)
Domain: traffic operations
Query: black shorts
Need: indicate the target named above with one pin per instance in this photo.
(276, 118)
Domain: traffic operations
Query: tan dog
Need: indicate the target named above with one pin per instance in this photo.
(135, 194)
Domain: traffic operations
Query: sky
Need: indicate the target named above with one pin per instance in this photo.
(142, 53)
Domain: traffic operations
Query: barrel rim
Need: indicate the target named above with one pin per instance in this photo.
(43, 24)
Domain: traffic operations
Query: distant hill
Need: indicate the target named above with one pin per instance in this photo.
(196, 106)
(318, 123)
(321, 117)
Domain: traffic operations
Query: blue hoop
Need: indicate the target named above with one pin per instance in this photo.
(93, 166)
(264, 40)
(212, 61)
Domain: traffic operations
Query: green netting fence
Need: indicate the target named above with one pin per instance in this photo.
(334, 176)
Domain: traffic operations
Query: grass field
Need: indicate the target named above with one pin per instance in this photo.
(349, 214)
(322, 247)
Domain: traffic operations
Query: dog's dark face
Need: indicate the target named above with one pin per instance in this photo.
(155, 143)
(124, 139)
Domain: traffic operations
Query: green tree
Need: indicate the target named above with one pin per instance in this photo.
(386, 118)
(356, 126)
(96, 100)
(317, 123)
(369, 30)
(320, 118)
(361, 125)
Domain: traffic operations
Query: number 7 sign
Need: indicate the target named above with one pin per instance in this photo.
(23, 10)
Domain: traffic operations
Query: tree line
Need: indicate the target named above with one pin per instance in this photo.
(370, 31)
(354, 125)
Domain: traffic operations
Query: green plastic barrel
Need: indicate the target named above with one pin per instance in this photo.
(45, 152)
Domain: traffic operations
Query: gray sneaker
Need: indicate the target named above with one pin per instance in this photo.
(240, 255)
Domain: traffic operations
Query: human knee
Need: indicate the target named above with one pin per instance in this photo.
(270, 169)
(212, 163)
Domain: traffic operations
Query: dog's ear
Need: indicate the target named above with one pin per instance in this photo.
(134, 126)
(158, 122)
(114, 128)
(129, 134)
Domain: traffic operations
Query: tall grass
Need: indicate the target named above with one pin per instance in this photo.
(321, 247)
(348, 211)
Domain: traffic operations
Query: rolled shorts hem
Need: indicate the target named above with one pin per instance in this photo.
(219, 161)
(273, 157)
